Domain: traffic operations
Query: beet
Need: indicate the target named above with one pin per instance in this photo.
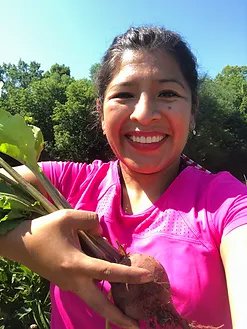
(150, 302)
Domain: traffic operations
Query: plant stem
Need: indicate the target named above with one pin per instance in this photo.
(55, 195)
(93, 246)
(28, 187)
(23, 203)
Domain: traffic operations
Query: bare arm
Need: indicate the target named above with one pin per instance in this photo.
(49, 246)
(234, 256)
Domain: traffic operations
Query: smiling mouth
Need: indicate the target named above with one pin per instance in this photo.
(147, 140)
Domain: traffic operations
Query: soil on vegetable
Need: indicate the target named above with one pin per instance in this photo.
(150, 303)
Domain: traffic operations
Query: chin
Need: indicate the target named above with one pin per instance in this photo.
(144, 169)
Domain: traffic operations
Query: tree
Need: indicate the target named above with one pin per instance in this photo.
(64, 109)
(20, 75)
(58, 69)
(44, 96)
(221, 123)
(77, 129)
(93, 71)
(37, 100)
(231, 83)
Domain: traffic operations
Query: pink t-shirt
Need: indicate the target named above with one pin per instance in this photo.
(182, 230)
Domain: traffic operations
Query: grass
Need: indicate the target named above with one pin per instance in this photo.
(25, 299)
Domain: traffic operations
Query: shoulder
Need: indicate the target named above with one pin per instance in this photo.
(204, 179)
(215, 202)
(213, 183)
(63, 166)
(67, 173)
(215, 193)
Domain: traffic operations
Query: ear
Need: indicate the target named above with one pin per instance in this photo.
(103, 126)
(194, 111)
(99, 107)
(192, 122)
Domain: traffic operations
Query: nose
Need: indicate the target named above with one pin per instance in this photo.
(145, 110)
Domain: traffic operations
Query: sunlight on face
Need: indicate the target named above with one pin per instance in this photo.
(147, 111)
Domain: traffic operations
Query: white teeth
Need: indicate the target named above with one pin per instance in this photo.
(146, 140)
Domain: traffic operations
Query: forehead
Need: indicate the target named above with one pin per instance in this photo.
(157, 64)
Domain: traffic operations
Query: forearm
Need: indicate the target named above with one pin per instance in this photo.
(12, 244)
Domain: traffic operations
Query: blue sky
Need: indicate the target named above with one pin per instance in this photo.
(77, 32)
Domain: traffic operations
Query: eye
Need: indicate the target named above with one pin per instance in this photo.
(168, 94)
(123, 95)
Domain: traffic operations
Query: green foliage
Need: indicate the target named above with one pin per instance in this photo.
(60, 69)
(24, 297)
(14, 209)
(20, 75)
(64, 109)
(38, 99)
(221, 138)
(18, 198)
(77, 129)
(93, 71)
(231, 84)
(25, 144)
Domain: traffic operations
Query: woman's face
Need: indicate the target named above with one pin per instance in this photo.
(147, 111)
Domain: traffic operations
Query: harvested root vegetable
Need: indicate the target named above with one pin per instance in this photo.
(150, 302)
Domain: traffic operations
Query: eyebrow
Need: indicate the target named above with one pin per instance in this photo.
(172, 80)
(131, 83)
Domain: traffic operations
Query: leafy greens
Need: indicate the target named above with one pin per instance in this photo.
(19, 200)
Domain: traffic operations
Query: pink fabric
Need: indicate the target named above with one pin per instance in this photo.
(182, 230)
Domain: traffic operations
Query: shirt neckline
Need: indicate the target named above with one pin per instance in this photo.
(182, 170)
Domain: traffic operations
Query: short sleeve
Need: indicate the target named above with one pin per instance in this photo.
(68, 176)
(228, 204)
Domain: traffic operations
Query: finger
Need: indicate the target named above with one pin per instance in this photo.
(79, 219)
(101, 305)
(103, 270)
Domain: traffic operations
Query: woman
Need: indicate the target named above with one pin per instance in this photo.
(151, 199)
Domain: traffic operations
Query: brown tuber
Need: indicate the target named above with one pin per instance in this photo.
(150, 302)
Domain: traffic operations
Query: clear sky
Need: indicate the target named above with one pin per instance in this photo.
(77, 32)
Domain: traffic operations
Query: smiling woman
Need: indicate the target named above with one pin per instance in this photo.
(148, 98)
(151, 200)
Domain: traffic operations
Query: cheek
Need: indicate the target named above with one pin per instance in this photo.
(114, 117)
(112, 128)
(110, 123)
(180, 119)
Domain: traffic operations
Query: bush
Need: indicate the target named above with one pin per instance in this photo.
(25, 299)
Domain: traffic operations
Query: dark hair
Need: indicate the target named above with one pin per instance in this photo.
(148, 38)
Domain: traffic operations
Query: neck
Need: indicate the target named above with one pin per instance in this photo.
(140, 191)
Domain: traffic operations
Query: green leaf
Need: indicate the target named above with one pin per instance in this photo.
(14, 208)
(9, 201)
(20, 141)
(9, 186)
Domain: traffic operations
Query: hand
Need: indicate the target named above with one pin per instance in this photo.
(49, 246)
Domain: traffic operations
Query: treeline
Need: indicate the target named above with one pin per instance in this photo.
(64, 109)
